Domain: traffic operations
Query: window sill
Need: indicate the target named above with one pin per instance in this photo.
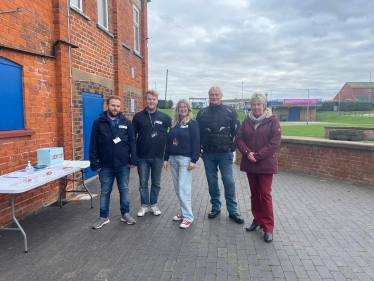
(138, 55)
(79, 12)
(16, 133)
(127, 47)
(104, 30)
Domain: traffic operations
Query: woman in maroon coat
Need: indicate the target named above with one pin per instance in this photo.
(258, 139)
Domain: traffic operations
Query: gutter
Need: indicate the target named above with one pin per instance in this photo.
(2, 46)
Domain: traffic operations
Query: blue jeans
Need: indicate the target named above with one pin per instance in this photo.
(223, 161)
(106, 177)
(182, 179)
(154, 165)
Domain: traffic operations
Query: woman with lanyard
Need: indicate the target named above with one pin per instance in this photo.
(183, 151)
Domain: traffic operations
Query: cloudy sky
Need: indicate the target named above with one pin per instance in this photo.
(278, 47)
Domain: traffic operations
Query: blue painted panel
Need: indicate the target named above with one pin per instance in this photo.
(11, 115)
(92, 106)
(294, 114)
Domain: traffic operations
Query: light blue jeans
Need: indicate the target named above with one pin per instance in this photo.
(182, 179)
(223, 161)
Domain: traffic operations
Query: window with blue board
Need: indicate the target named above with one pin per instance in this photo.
(11, 113)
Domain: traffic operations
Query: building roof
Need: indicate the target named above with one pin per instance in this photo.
(364, 97)
(236, 100)
(363, 85)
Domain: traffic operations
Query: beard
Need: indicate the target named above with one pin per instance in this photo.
(112, 114)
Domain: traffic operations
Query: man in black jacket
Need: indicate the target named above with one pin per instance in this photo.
(219, 124)
(150, 127)
(112, 154)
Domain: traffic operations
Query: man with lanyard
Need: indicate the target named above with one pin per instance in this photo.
(112, 153)
(150, 127)
(218, 125)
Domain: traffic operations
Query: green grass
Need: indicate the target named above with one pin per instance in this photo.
(329, 118)
(348, 118)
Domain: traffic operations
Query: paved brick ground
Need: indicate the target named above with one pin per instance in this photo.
(323, 231)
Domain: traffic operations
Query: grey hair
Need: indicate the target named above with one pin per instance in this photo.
(215, 88)
(260, 97)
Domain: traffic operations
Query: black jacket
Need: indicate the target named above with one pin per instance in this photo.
(148, 146)
(218, 127)
(103, 151)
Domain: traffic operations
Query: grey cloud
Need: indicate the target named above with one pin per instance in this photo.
(283, 46)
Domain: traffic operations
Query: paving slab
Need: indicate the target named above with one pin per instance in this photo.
(324, 230)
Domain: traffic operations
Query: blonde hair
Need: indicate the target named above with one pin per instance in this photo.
(186, 119)
(260, 97)
(152, 92)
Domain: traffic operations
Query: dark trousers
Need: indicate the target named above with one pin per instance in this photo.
(261, 200)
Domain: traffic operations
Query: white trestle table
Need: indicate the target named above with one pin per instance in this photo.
(18, 182)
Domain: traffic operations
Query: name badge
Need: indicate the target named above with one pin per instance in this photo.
(122, 127)
(175, 142)
(158, 122)
(185, 126)
(116, 140)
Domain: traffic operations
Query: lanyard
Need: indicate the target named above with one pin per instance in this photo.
(152, 122)
(176, 129)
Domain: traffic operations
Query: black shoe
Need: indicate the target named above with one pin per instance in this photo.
(268, 237)
(213, 213)
(237, 218)
(253, 227)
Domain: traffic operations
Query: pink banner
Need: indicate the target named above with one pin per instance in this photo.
(300, 101)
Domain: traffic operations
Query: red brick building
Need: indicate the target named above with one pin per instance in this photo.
(59, 60)
(356, 91)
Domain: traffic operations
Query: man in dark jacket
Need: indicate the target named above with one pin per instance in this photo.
(150, 127)
(112, 154)
(218, 127)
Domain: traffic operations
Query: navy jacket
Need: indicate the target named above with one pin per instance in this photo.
(148, 146)
(188, 137)
(103, 151)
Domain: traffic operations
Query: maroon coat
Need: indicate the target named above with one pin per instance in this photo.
(263, 141)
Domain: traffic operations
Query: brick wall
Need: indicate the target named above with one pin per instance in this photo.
(340, 160)
(51, 110)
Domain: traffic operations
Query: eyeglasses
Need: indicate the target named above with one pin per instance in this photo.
(182, 107)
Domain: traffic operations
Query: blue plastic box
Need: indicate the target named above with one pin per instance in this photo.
(50, 156)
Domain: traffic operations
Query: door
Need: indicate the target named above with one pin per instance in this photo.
(11, 92)
(92, 106)
(294, 114)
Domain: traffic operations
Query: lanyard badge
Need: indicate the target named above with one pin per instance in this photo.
(175, 142)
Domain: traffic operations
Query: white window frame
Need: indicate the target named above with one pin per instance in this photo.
(136, 30)
(80, 4)
(104, 14)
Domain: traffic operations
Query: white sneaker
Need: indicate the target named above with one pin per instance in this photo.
(143, 211)
(156, 211)
(185, 224)
(178, 218)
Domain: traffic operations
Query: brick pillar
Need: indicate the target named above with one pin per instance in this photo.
(62, 79)
(144, 47)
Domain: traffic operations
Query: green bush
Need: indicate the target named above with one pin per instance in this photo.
(347, 106)
(163, 104)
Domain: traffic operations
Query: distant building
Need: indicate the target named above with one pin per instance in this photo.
(295, 109)
(356, 91)
(238, 104)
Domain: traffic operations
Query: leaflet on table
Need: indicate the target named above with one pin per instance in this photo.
(37, 172)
